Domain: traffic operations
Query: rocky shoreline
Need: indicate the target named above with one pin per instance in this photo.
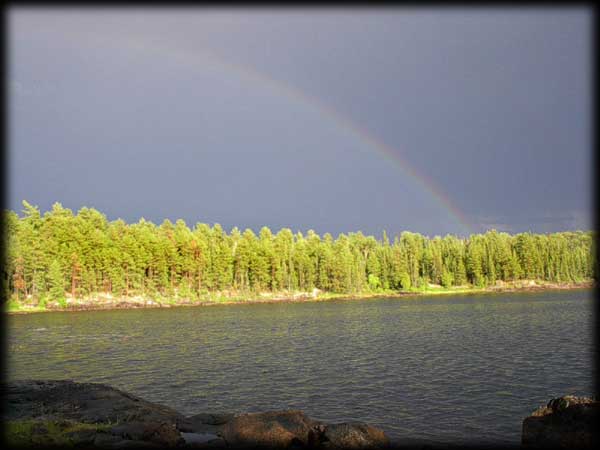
(64, 413)
(111, 303)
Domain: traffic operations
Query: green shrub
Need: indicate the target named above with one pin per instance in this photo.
(12, 305)
(405, 281)
(447, 279)
(374, 282)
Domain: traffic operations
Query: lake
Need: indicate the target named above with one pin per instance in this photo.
(453, 369)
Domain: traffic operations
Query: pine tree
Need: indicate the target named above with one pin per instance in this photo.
(56, 282)
(86, 254)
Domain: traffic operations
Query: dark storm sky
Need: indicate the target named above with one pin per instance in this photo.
(273, 117)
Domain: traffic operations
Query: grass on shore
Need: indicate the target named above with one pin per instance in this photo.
(55, 433)
(14, 306)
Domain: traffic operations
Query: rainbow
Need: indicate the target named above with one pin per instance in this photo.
(295, 94)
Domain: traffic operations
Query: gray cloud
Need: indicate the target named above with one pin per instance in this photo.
(129, 112)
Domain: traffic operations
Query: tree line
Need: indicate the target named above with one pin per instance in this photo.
(84, 254)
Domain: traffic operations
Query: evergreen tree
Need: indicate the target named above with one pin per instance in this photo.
(85, 254)
(56, 281)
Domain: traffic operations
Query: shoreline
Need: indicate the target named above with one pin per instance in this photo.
(59, 413)
(140, 303)
(67, 413)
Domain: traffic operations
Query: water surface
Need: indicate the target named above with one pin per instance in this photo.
(452, 369)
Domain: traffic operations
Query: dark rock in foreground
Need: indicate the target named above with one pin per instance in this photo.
(566, 422)
(90, 415)
(81, 402)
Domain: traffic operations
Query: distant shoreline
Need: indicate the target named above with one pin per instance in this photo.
(139, 303)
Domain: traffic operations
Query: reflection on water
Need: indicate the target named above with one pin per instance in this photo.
(448, 369)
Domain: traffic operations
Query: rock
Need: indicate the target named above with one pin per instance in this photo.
(161, 434)
(349, 436)
(95, 415)
(105, 440)
(203, 440)
(198, 438)
(164, 434)
(130, 430)
(197, 427)
(135, 444)
(315, 435)
(216, 443)
(212, 418)
(276, 429)
(81, 402)
(204, 422)
(565, 422)
(82, 437)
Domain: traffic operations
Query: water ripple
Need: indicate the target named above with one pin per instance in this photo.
(447, 370)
